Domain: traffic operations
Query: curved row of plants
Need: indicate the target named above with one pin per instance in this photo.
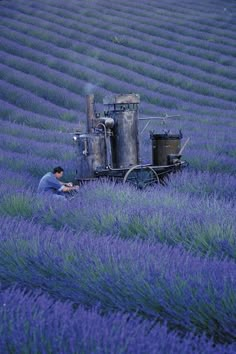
(37, 166)
(135, 55)
(191, 11)
(196, 12)
(34, 322)
(139, 16)
(55, 151)
(23, 98)
(156, 282)
(156, 44)
(201, 223)
(49, 92)
(24, 117)
(162, 98)
(36, 134)
(103, 34)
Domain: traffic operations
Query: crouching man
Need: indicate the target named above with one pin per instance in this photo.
(50, 184)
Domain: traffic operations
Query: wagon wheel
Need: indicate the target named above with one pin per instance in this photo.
(141, 176)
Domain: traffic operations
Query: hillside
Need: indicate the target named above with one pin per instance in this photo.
(117, 270)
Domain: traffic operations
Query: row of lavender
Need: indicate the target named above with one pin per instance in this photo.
(179, 80)
(105, 48)
(170, 93)
(155, 282)
(13, 115)
(201, 222)
(70, 24)
(141, 17)
(67, 99)
(32, 322)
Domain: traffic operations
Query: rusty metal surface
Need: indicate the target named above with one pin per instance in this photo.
(90, 155)
(125, 140)
(163, 146)
(119, 99)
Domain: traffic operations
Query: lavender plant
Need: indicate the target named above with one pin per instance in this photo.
(55, 135)
(196, 87)
(205, 226)
(35, 322)
(159, 283)
(11, 113)
(24, 99)
(60, 97)
(47, 150)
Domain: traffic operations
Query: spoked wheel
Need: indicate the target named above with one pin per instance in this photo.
(141, 176)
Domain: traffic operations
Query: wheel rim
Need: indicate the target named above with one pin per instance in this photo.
(141, 176)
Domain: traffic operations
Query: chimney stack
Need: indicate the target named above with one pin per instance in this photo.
(90, 112)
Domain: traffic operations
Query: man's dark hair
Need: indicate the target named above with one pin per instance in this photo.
(58, 169)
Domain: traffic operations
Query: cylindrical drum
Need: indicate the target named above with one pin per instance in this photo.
(124, 111)
(163, 146)
(90, 155)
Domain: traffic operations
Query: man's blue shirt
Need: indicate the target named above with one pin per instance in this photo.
(50, 184)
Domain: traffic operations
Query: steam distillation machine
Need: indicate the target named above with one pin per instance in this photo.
(110, 145)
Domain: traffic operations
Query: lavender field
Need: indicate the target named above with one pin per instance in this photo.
(115, 269)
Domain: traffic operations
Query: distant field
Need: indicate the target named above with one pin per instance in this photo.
(118, 270)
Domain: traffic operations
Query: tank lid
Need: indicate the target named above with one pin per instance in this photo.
(166, 136)
(126, 98)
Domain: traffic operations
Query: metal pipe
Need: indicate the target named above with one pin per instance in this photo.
(146, 125)
(107, 144)
(162, 118)
(149, 165)
(183, 147)
(90, 112)
(108, 122)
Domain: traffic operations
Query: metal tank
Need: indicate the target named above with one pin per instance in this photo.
(90, 155)
(124, 142)
(90, 147)
(166, 148)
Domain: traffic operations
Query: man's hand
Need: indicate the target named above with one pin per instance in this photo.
(69, 189)
(69, 184)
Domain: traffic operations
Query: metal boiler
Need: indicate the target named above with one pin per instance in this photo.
(123, 109)
(90, 146)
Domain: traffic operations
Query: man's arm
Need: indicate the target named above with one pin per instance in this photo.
(69, 189)
(67, 184)
(59, 186)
